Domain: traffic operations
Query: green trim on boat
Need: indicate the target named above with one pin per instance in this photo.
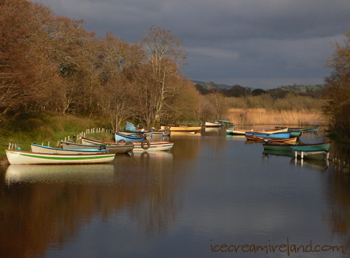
(64, 158)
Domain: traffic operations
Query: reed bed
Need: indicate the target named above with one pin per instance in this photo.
(262, 116)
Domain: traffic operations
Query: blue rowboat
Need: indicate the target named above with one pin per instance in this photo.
(274, 136)
(129, 138)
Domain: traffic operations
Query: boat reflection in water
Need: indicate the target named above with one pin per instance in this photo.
(288, 153)
(77, 174)
(318, 164)
(311, 163)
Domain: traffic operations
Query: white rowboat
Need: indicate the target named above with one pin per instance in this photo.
(16, 157)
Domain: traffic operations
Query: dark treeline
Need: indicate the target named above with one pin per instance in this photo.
(238, 91)
(337, 92)
(50, 63)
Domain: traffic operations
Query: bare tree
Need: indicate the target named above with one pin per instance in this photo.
(117, 94)
(163, 56)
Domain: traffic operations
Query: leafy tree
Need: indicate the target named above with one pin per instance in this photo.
(26, 74)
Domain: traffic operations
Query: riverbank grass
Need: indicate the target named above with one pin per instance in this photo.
(262, 116)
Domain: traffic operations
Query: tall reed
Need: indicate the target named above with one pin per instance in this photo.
(262, 116)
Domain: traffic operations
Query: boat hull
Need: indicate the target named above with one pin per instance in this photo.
(154, 146)
(24, 157)
(285, 147)
(274, 136)
(185, 129)
(119, 148)
(129, 138)
(301, 129)
(244, 131)
(51, 150)
(210, 124)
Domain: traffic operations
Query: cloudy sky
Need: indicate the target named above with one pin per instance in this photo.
(253, 43)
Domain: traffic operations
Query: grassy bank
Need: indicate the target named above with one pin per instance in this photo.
(45, 128)
(262, 116)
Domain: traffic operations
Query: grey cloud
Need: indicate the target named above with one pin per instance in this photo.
(229, 39)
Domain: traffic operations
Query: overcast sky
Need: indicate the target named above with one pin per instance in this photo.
(253, 43)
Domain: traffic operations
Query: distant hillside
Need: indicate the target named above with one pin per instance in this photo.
(302, 88)
(279, 92)
(209, 85)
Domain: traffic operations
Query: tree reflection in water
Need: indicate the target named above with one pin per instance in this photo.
(45, 206)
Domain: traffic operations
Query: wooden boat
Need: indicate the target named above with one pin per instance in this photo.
(17, 157)
(185, 129)
(235, 131)
(318, 151)
(274, 135)
(283, 147)
(255, 138)
(210, 124)
(153, 146)
(292, 140)
(116, 148)
(160, 132)
(138, 146)
(225, 123)
(300, 129)
(145, 133)
(129, 138)
(47, 149)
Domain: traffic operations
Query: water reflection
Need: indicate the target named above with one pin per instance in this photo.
(46, 206)
(170, 204)
(338, 195)
(321, 165)
(77, 174)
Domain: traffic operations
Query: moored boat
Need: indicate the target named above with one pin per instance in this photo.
(237, 131)
(160, 132)
(117, 148)
(264, 135)
(283, 147)
(300, 129)
(144, 133)
(47, 149)
(291, 140)
(129, 138)
(17, 157)
(215, 124)
(185, 129)
(137, 146)
(225, 123)
(153, 146)
(317, 151)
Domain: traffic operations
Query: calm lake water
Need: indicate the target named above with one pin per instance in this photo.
(210, 196)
